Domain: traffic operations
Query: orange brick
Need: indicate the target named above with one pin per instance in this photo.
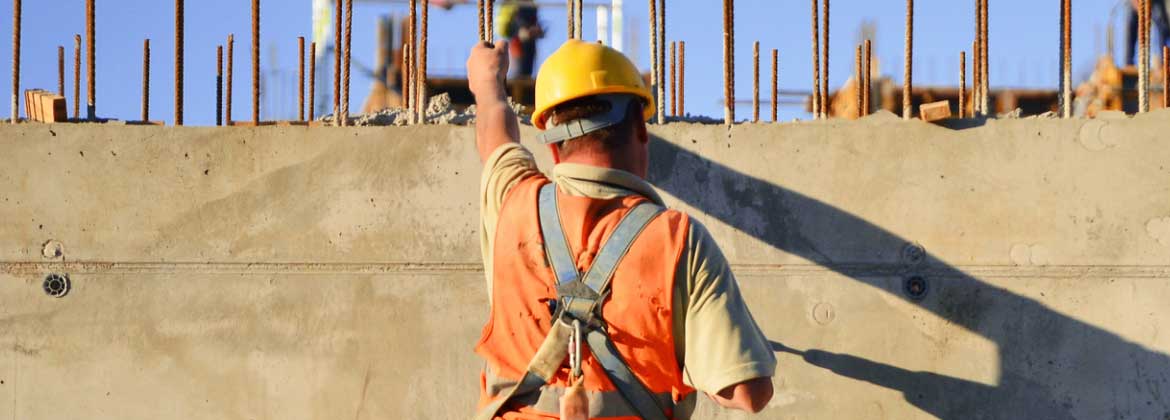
(935, 111)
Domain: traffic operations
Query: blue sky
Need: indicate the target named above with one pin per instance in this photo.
(1024, 46)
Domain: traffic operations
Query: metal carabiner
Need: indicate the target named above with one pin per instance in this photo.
(575, 351)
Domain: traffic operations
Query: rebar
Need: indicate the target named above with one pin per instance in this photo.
(421, 79)
(227, 113)
(976, 78)
(16, 61)
(491, 19)
(1066, 58)
(867, 85)
(345, 83)
(962, 84)
(1165, 76)
(256, 62)
(816, 58)
(146, 80)
(570, 25)
(858, 81)
(579, 15)
(661, 54)
(1144, 60)
(412, 33)
(825, 64)
(76, 76)
(218, 86)
(312, 81)
(654, 82)
(728, 62)
(483, 36)
(756, 82)
(178, 63)
(908, 75)
(407, 59)
(301, 79)
(985, 63)
(91, 60)
(674, 79)
(682, 78)
(338, 48)
(60, 70)
(775, 84)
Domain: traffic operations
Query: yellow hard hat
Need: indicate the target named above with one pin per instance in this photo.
(579, 69)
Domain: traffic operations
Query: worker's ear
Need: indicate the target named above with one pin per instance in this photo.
(556, 154)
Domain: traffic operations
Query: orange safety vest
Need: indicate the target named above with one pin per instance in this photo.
(636, 307)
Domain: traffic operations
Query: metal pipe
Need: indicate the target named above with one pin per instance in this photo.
(825, 65)
(867, 87)
(218, 86)
(756, 82)
(312, 81)
(674, 79)
(962, 84)
(231, 45)
(421, 79)
(682, 78)
(661, 56)
(16, 61)
(908, 76)
(301, 78)
(775, 84)
(178, 63)
(76, 76)
(345, 84)
(728, 63)
(256, 62)
(816, 55)
(91, 59)
(60, 70)
(146, 80)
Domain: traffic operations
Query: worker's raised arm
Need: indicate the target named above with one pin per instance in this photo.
(495, 123)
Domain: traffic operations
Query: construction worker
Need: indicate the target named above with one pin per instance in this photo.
(1160, 24)
(519, 22)
(590, 261)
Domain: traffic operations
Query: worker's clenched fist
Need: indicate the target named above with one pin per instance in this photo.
(487, 70)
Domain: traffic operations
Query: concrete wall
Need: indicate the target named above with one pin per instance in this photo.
(291, 273)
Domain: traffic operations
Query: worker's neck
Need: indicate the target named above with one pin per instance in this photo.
(606, 160)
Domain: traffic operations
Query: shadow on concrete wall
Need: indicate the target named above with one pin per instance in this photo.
(1051, 365)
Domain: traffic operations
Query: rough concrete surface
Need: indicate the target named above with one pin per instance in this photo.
(319, 273)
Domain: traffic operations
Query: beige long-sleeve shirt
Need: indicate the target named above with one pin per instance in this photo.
(721, 344)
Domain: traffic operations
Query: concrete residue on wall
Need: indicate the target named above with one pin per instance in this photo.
(1159, 229)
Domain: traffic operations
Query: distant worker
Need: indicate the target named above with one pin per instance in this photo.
(1161, 24)
(519, 22)
(592, 262)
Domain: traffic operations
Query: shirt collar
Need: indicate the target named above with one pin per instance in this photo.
(601, 183)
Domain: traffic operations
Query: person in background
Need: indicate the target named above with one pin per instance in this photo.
(518, 21)
(1160, 24)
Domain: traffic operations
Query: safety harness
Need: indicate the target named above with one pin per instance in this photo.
(579, 301)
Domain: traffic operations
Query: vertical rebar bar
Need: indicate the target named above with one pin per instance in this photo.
(482, 29)
(580, 16)
(867, 86)
(816, 55)
(407, 59)
(825, 64)
(412, 34)
(728, 65)
(312, 81)
(1066, 59)
(985, 63)
(674, 79)
(756, 82)
(146, 80)
(908, 75)
(491, 19)
(76, 76)
(570, 21)
(661, 55)
(1144, 60)
(345, 81)
(301, 79)
(338, 49)
(775, 84)
(859, 81)
(16, 61)
(976, 75)
(421, 91)
(218, 86)
(654, 82)
(682, 78)
(227, 106)
(91, 60)
(1165, 76)
(178, 62)
(962, 84)
(61, 70)
(256, 62)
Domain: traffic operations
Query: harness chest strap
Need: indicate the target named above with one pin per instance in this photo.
(582, 302)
